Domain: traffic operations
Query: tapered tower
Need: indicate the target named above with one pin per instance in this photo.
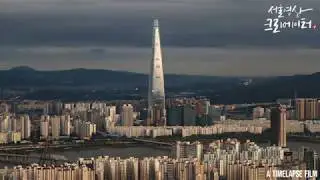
(156, 96)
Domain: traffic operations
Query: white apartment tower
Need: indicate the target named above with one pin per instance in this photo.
(127, 115)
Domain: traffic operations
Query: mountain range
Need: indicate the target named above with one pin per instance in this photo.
(87, 78)
(34, 84)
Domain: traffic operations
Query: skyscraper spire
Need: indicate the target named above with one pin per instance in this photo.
(156, 95)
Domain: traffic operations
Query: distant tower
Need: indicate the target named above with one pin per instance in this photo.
(156, 95)
(278, 126)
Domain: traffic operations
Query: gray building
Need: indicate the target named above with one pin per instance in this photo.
(189, 115)
(175, 116)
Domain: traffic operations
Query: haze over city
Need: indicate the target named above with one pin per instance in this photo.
(219, 37)
(241, 119)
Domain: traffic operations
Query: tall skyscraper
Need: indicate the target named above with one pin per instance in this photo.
(278, 126)
(156, 95)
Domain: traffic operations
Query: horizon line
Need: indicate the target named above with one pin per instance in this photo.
(124, 71)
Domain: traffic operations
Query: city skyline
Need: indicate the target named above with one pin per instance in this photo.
(83, 130)
(90, 90)
(114, 35)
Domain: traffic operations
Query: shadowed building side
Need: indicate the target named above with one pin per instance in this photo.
(278, 126)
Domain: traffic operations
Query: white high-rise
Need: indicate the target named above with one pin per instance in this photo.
(4, 123)
(127, 115)
(27, 127)
(55, 127)
(156, 95)
(44, 129)
(65, 123)
(44, 126)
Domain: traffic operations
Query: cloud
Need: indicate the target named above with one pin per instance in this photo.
(123, 22)
(205, 34)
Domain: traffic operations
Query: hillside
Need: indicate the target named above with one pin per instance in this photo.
(27, 77)
(82, 84)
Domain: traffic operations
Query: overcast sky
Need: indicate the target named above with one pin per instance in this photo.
(211, 37)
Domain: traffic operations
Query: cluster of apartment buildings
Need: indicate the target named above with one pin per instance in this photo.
(222, 159)
(57, 126)
(51, 172)
(252, 126)
(13, 128)
(183, 131)
(181, 112)
(307, 108)
(241, 161)
(83, 119)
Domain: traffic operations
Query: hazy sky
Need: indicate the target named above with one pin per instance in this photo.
(212, 37)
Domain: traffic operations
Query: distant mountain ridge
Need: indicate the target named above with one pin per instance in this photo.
(95, 84)
(27, 77)
(270, 89)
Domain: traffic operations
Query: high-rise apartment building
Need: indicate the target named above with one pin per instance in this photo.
(188, 150)
(189, 115)
(310, 157)
(65, 122)
(44, 126)
(278, 126)
(44, 129)
(300, 109)
(307, 109)
(55, 127)
(127, 115)
(175, 117)
(310, 109)
(257, 112)
(27, 127)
